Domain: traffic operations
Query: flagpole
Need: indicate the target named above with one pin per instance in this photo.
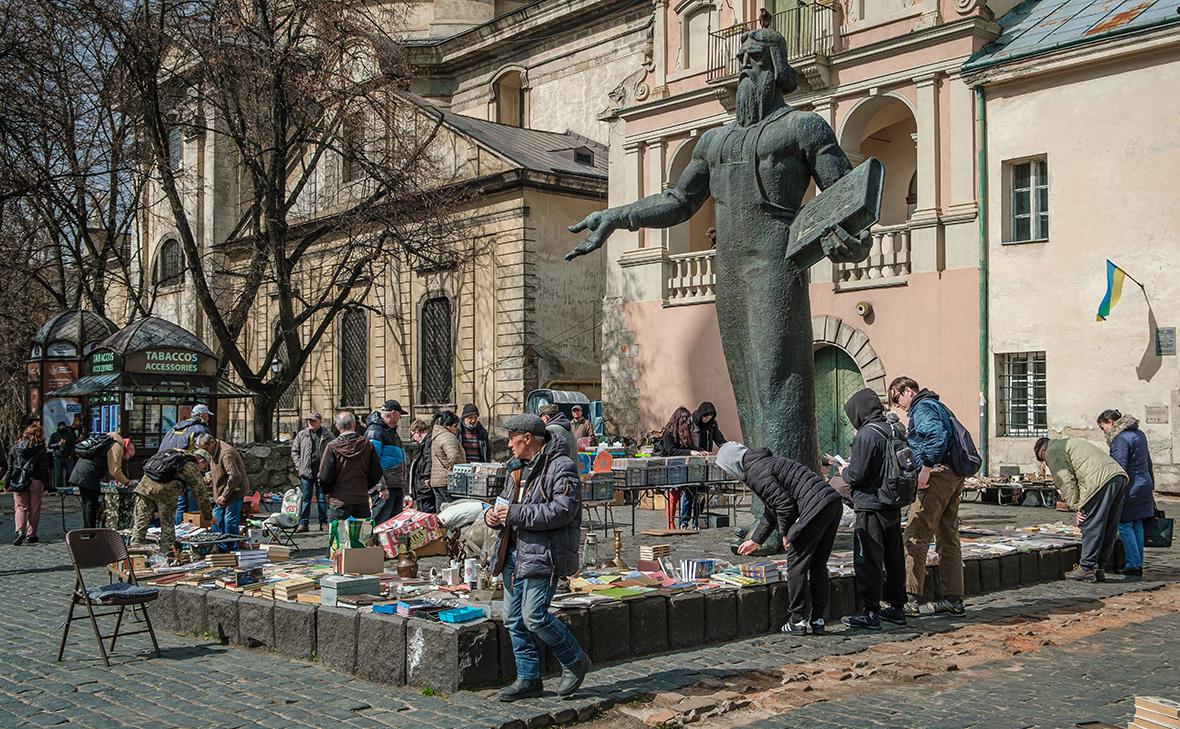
(1127, 275)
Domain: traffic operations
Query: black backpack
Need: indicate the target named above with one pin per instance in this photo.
(164, 465)
(899, 471)
(962, 455)
(94, 447)
(19, 467)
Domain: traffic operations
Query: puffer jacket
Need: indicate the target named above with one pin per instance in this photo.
(420, 467)
(445, 452)
(33, 461)
(388, 446)
(866, 465)
(189, 476)
(1080, 469)
(793, 494)
(1128, 447)
(929, 433)
(545, 518)
(184, 434)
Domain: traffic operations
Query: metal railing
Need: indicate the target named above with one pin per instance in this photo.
(889, 258)
(810, 30)
(691, 278)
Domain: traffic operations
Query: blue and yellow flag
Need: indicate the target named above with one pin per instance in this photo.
(1114, 289)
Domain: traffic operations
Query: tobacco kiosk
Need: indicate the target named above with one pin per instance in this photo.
(57, 356)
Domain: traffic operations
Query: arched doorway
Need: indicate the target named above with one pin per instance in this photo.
(691, 236)
(836, 378)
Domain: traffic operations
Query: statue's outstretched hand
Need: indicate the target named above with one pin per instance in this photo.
(841, 247)
(601, 224)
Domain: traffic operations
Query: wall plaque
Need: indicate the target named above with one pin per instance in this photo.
(1165, 341)
(1156, 414)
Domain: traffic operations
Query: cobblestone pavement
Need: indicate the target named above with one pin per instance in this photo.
(203, 684)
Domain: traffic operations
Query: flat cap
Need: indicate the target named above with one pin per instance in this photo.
(526, 423)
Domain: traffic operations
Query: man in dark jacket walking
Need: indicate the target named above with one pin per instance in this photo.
(349, 469)
(61, 445)
(477, 445)
(307, 450)
(802, 507)
(935, 513)
(878, 555)
(382, 434)
(539, 517)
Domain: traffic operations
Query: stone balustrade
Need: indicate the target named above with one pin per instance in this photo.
(888, 261)
(691, 278)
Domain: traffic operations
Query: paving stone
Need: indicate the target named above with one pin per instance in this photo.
(971, 577)
(753, 608)
(686, 620)
(192, 617)
(1009, 571)
(256, 625)
(223, 615)
(989, 575)
(295, 628)
(649, 625)
(447, 658)
(841, 597)
(1050, 561)
(336, 630)
(721, 615)
(610, 632)
(578, 622)
(1030, 568)
(381, 649)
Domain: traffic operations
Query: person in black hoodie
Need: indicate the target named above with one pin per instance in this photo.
(705, 433)
(806, 510)
(878, 552)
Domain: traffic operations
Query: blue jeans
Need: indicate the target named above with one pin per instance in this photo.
(688, 504)
(309, 487)
(228, 519)
(527, 618)
(1131, 532)
(184, 502)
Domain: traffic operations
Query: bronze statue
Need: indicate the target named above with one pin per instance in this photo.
(757, 169)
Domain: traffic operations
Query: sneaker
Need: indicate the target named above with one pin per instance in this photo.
(20, 539)
(521, 688)
(571, 678)
(799, 628)
(893, 615)
(1081, 574)
(949, 605)
(818, 627)
(912, 609)
(33, 540)
(865, 619)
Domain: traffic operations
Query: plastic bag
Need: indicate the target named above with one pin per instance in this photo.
(350, 533)
(292, 499)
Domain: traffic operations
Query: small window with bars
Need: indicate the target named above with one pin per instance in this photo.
(437, 351)
(1029, 201)
(170, 264)
(354, 358)
(1022, 410)
(176, 149)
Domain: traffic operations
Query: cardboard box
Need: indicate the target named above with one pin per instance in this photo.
(435, 548)
(360, 561)
(195, 518)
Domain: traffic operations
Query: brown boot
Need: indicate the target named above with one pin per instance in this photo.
(301, 528)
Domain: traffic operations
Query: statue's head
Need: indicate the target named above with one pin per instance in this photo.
(765, 75)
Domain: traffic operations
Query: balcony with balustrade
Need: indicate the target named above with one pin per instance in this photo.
(812, 34)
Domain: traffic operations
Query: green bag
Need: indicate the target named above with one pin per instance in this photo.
(350, 533)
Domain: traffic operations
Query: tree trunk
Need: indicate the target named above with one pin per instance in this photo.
(264, 418)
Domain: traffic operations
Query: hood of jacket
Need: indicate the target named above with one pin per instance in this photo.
(348, 445)
(923, 394)
(730, 456)
(1124, 423)
(705, 408)
(375, 419)
(562, 420)
(862, 407)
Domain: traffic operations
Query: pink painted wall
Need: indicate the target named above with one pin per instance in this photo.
(927, 330)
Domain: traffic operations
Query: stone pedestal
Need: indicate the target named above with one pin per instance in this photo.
(295, 630)
(382, 655)
(753, 611)
(192, 618)
(336, 638)
(721, 623)
(649, 625)
(163, 611)
(989, 574)
(449, 658)
(610, 631)
(686, 620)
(1009, 571)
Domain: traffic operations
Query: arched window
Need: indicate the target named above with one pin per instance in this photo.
(354, 358)
(509, 91)
(437, 352)
(169, 264)
(694, 43)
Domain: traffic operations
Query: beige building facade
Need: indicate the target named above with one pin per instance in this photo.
(1081, 168)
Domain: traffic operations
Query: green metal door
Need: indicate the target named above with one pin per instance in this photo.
(836, 378)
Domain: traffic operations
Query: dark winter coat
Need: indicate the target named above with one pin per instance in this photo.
(380, 433)
(866, 465)
(793, 494)
(1128, 446)
(420, 467)
(561, 437)
(477, 444)
(349, 469)
(929, 434)
(61, 443)
(706, 435)
(545, 518)
(184, 435)
(33, 461)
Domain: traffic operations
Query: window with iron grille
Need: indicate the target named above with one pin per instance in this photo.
(170, 264)
(1028, 201)
(354, 149)
(289, 399)
(354, 358)
(437, 352)
(1022, 408)
(176, 148)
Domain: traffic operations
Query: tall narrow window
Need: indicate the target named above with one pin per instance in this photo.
(176, 148)
(353, 148)
(170, 264)
(290, 396)
(1022, 409)
(354, 358)
(510, 100)
(1029, 201)
(437, 352)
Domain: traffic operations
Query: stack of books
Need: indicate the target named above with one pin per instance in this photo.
(1152, 712)
(654, 552)
(762, 573)
(277, 552)
(291, 588)
(222, 559)
(251, 557)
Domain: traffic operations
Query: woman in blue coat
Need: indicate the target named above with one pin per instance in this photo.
(1128, 446)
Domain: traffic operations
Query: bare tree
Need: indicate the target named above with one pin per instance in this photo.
(339, 173)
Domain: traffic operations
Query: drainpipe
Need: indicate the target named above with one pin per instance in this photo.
(982, 215)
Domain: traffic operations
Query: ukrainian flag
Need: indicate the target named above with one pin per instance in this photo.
(1114, 289)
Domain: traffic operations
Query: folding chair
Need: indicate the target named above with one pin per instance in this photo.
(91, 548)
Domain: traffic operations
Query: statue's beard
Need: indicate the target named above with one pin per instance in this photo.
(754, 99)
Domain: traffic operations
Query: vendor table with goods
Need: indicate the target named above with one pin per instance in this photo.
(1023, 490)
(670, 476)
(109, 489)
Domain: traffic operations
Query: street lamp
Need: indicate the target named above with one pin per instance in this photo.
(276, 369)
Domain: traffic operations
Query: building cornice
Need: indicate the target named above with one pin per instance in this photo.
(972, 27)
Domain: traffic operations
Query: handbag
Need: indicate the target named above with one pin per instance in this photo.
(1157, 532)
